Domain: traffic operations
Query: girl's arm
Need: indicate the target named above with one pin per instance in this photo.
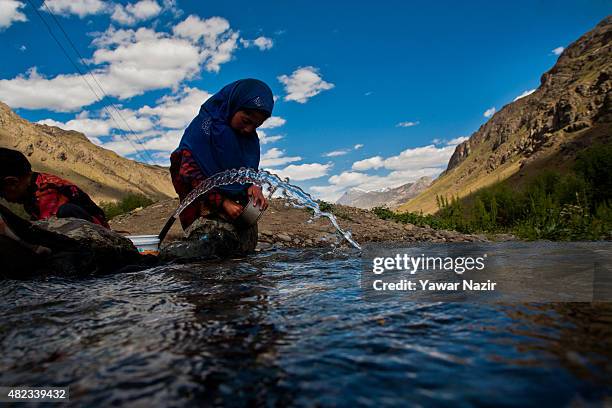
(7, 232)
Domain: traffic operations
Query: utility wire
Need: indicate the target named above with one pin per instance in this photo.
(83, 61)
(143, 153)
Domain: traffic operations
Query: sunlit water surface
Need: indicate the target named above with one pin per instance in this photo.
(292, 328)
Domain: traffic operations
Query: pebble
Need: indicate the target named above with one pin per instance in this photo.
(283, 237)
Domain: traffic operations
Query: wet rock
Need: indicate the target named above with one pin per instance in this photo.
(207, 238)
(92, 235)
(101, 250)
(283, 237)
(71, 248)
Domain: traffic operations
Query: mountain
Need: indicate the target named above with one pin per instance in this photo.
(571, 110)
(103, 174)
(391, 197)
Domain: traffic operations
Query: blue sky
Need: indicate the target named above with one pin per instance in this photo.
(370, 95)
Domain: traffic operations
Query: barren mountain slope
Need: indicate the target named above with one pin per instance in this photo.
(571, 110)
(101, 173)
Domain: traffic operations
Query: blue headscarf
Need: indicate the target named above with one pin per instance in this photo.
(214, 144)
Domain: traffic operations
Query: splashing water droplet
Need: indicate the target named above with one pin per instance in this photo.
(294, 195)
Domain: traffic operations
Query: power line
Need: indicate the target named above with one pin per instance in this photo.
(142, 153)
(83, 61)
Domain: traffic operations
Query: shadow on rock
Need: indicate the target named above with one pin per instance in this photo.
(77, 248)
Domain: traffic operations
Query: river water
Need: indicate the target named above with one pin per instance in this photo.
(291, 327)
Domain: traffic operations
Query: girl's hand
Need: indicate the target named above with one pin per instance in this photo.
(232, 208)
(258, 197)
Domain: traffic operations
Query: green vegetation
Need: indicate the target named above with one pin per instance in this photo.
(325, 206)
(575, 206)
(127, 204)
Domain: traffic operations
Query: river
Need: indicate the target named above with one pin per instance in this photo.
(291, 327)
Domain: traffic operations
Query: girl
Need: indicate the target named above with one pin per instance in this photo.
(44, 195)
(222, 137)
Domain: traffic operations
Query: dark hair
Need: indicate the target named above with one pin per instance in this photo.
(13, 163)
(250, 111)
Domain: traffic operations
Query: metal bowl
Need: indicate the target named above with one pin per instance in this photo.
(249, 215)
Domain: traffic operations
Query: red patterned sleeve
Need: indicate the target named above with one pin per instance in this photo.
(189, 176)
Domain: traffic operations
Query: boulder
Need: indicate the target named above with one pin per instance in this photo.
(210, 238)
(72, 248)
(94, 236)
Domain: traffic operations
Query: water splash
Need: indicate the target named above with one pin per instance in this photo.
(294, 195)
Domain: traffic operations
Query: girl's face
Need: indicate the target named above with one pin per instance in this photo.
(245, 122)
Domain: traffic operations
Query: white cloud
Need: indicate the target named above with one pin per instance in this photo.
(303, 84)
(150, 60)
(273, 122)
(194, 28)
(338, 184)
(128, 120)
(457, 140)
(405, 167)
(263, 43)
(300, 172)
(452, 142)
(420, 157)
(214, 36)
(23, 48)
(33, 91)
(102, 123)
(342, 152)
(489, 112)
(127, 63)
(276, 157)
(266, 139)
(176, 111)
(375, 162)
(92, 128)
(410, 159)
(135, 12)
(10, 12)
(407, 124)
(80, 8)
(558, 50)
(368, 93)
(336, 153)
(349, 178)
(167, 142)
(524, 94)
(164, 142)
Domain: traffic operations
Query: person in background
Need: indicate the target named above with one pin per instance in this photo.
(221, 137)
(44, 195)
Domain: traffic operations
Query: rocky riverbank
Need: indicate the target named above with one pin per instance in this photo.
(290, 227)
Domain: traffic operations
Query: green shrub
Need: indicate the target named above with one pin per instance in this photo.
(325, 206)
(127, 204)
(594, 165)
(552, 206)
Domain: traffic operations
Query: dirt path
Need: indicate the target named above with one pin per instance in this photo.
(284, 226)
